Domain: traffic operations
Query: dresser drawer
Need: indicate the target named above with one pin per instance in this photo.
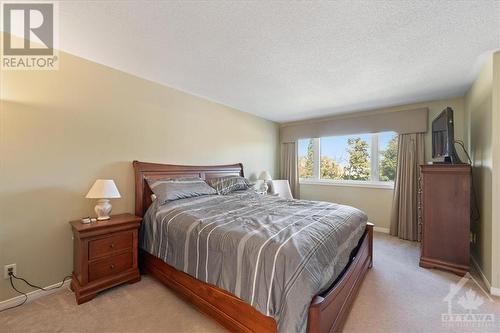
(110, 266)
(106, 246)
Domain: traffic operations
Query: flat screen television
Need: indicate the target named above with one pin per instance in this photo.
(443, 141)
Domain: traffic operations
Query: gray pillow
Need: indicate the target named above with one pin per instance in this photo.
(228, 184)
(174, 189)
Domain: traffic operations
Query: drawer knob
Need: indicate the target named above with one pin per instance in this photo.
(112, 266)
(112, 245)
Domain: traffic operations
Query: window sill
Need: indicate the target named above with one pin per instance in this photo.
(353, 183)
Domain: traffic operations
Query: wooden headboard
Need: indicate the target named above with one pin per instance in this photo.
(144, 171)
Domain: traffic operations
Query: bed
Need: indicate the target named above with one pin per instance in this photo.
(325, 311)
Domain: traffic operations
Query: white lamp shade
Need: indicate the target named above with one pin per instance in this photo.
(103, 189)
(264, 175)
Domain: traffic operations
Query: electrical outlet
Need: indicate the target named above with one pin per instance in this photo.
(9, 268)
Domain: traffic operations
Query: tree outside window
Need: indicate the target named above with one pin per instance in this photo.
(358, 167)
(306, 158)
(389, 160)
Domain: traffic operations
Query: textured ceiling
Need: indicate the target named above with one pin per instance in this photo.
(286, 61)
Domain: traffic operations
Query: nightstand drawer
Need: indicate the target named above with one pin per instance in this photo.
(103, 247)
(110, 266)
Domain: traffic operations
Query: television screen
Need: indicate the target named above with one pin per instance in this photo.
(443, 141)
(440, 136)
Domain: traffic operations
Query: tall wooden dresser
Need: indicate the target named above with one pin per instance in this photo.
(445, 200)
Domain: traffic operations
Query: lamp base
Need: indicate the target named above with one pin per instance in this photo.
(264, 187)
(103, 209)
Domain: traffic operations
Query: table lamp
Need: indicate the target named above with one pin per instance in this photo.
(265, 177)
(103, 189)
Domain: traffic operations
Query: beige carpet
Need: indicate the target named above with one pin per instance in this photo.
(396, 296)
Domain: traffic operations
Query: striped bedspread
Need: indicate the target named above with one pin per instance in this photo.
(274, 254)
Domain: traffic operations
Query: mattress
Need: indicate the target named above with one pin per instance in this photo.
(274, 254)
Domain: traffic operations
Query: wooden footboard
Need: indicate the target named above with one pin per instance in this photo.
(326, 314)
(230, 311)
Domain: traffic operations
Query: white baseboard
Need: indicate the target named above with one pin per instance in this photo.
(380, 229)
(33, 295)
(492, 290)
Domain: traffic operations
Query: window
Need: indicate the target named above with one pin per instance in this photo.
(355, 159)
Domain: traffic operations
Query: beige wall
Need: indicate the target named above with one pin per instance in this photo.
(60, 130)
(482, 104)
(377, 202)
(495, 229)
(478, 105)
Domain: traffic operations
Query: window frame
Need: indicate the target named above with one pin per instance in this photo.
(374, 181)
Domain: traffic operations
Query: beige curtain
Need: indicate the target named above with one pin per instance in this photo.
(289, 167)
(404, 217)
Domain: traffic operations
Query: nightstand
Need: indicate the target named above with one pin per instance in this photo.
(104, 255)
